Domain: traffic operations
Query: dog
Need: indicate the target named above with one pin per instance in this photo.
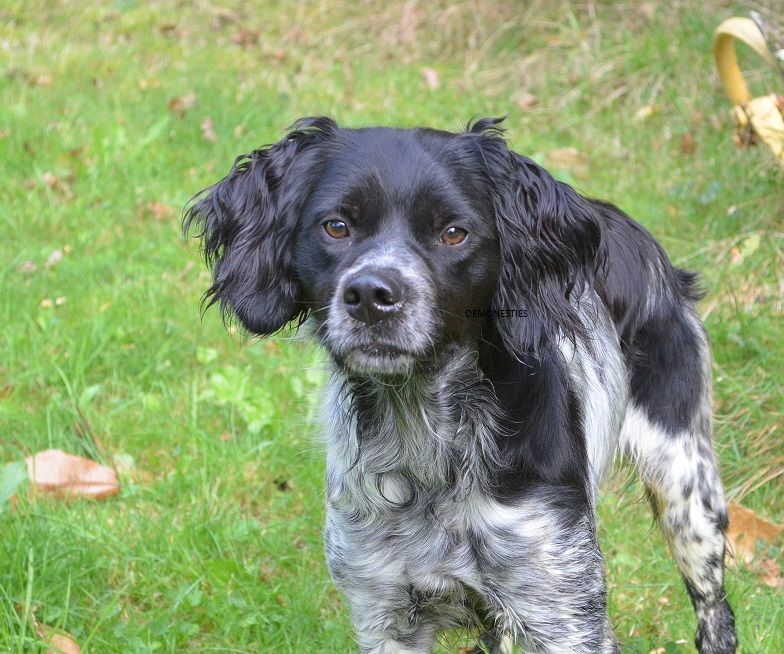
(496, 339)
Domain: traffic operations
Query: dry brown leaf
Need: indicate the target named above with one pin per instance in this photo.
(432, 80)
(55, 471)
(245, 37)
(208, 130)
(180, 105)
(745, 529)
(526, 100)
(43, 79)
(770, 574)
(62, 643)
(58, 184)
(223, 15)
(644, 112)
(160, 211)
(57, 641)
(688, 144)
(568, 158)
(149, 83)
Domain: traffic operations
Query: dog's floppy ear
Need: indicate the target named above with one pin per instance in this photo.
(248, 222)
(550, 240)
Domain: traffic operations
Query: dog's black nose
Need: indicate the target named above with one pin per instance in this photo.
(372, 296)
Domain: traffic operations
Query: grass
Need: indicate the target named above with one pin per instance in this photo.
(113, 114)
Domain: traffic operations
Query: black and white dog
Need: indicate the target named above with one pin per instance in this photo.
(496, 339)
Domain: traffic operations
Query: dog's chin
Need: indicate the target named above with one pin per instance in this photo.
(378, 362)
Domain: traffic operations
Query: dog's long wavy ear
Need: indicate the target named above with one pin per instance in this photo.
(551, 248)
(247, 223)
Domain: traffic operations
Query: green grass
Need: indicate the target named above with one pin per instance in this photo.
(213, 545)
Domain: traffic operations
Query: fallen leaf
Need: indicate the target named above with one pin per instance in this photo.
(568, 158)
(43, 79)
(745, 529)
(647, 9)
(770, 574)
(181, 104)
(223, 15)
(160, 211)
(5, 133)
(526, 100)
(688, 144)
(208, 130)
(60, 301)
(151, 83)
(55, 471)
(170, 30)
(432, 81)
(57, 184)
(245, 37)
(28, 267)
(46, 303)
(57, 641)
(644, 112)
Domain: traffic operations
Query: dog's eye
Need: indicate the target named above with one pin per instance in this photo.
(336, 228)
(454, 236)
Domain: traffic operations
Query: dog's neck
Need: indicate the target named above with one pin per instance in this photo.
(435, 430)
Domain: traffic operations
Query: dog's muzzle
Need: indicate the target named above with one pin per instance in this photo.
(381, 317)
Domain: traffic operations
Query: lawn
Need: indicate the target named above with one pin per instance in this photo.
(112, 114)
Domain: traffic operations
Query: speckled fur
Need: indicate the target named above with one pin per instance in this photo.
(465, 452)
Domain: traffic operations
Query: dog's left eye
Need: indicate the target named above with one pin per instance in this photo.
(454, 236)
(336, 228)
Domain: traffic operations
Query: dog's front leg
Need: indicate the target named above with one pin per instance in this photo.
(543, 576)
(389, 614)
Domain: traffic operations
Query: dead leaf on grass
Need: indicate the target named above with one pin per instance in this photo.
(57, 641)
(525, 100)
(224, 15)
(432, 80)
(245, 37)
(208, 130)
(567, 159)
(688, 144)
(56, 472)
(644, 112)
(58, 184)
(160, 211)
(745, 529)
(181, 104)
(770, 574)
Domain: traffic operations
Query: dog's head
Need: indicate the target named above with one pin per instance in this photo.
(397, 243)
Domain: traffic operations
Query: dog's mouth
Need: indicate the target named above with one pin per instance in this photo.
(378, 359)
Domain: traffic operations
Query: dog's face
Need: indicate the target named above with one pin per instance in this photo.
(395, 250)
(396, 243)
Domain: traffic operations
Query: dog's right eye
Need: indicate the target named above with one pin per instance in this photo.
(336, 229)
